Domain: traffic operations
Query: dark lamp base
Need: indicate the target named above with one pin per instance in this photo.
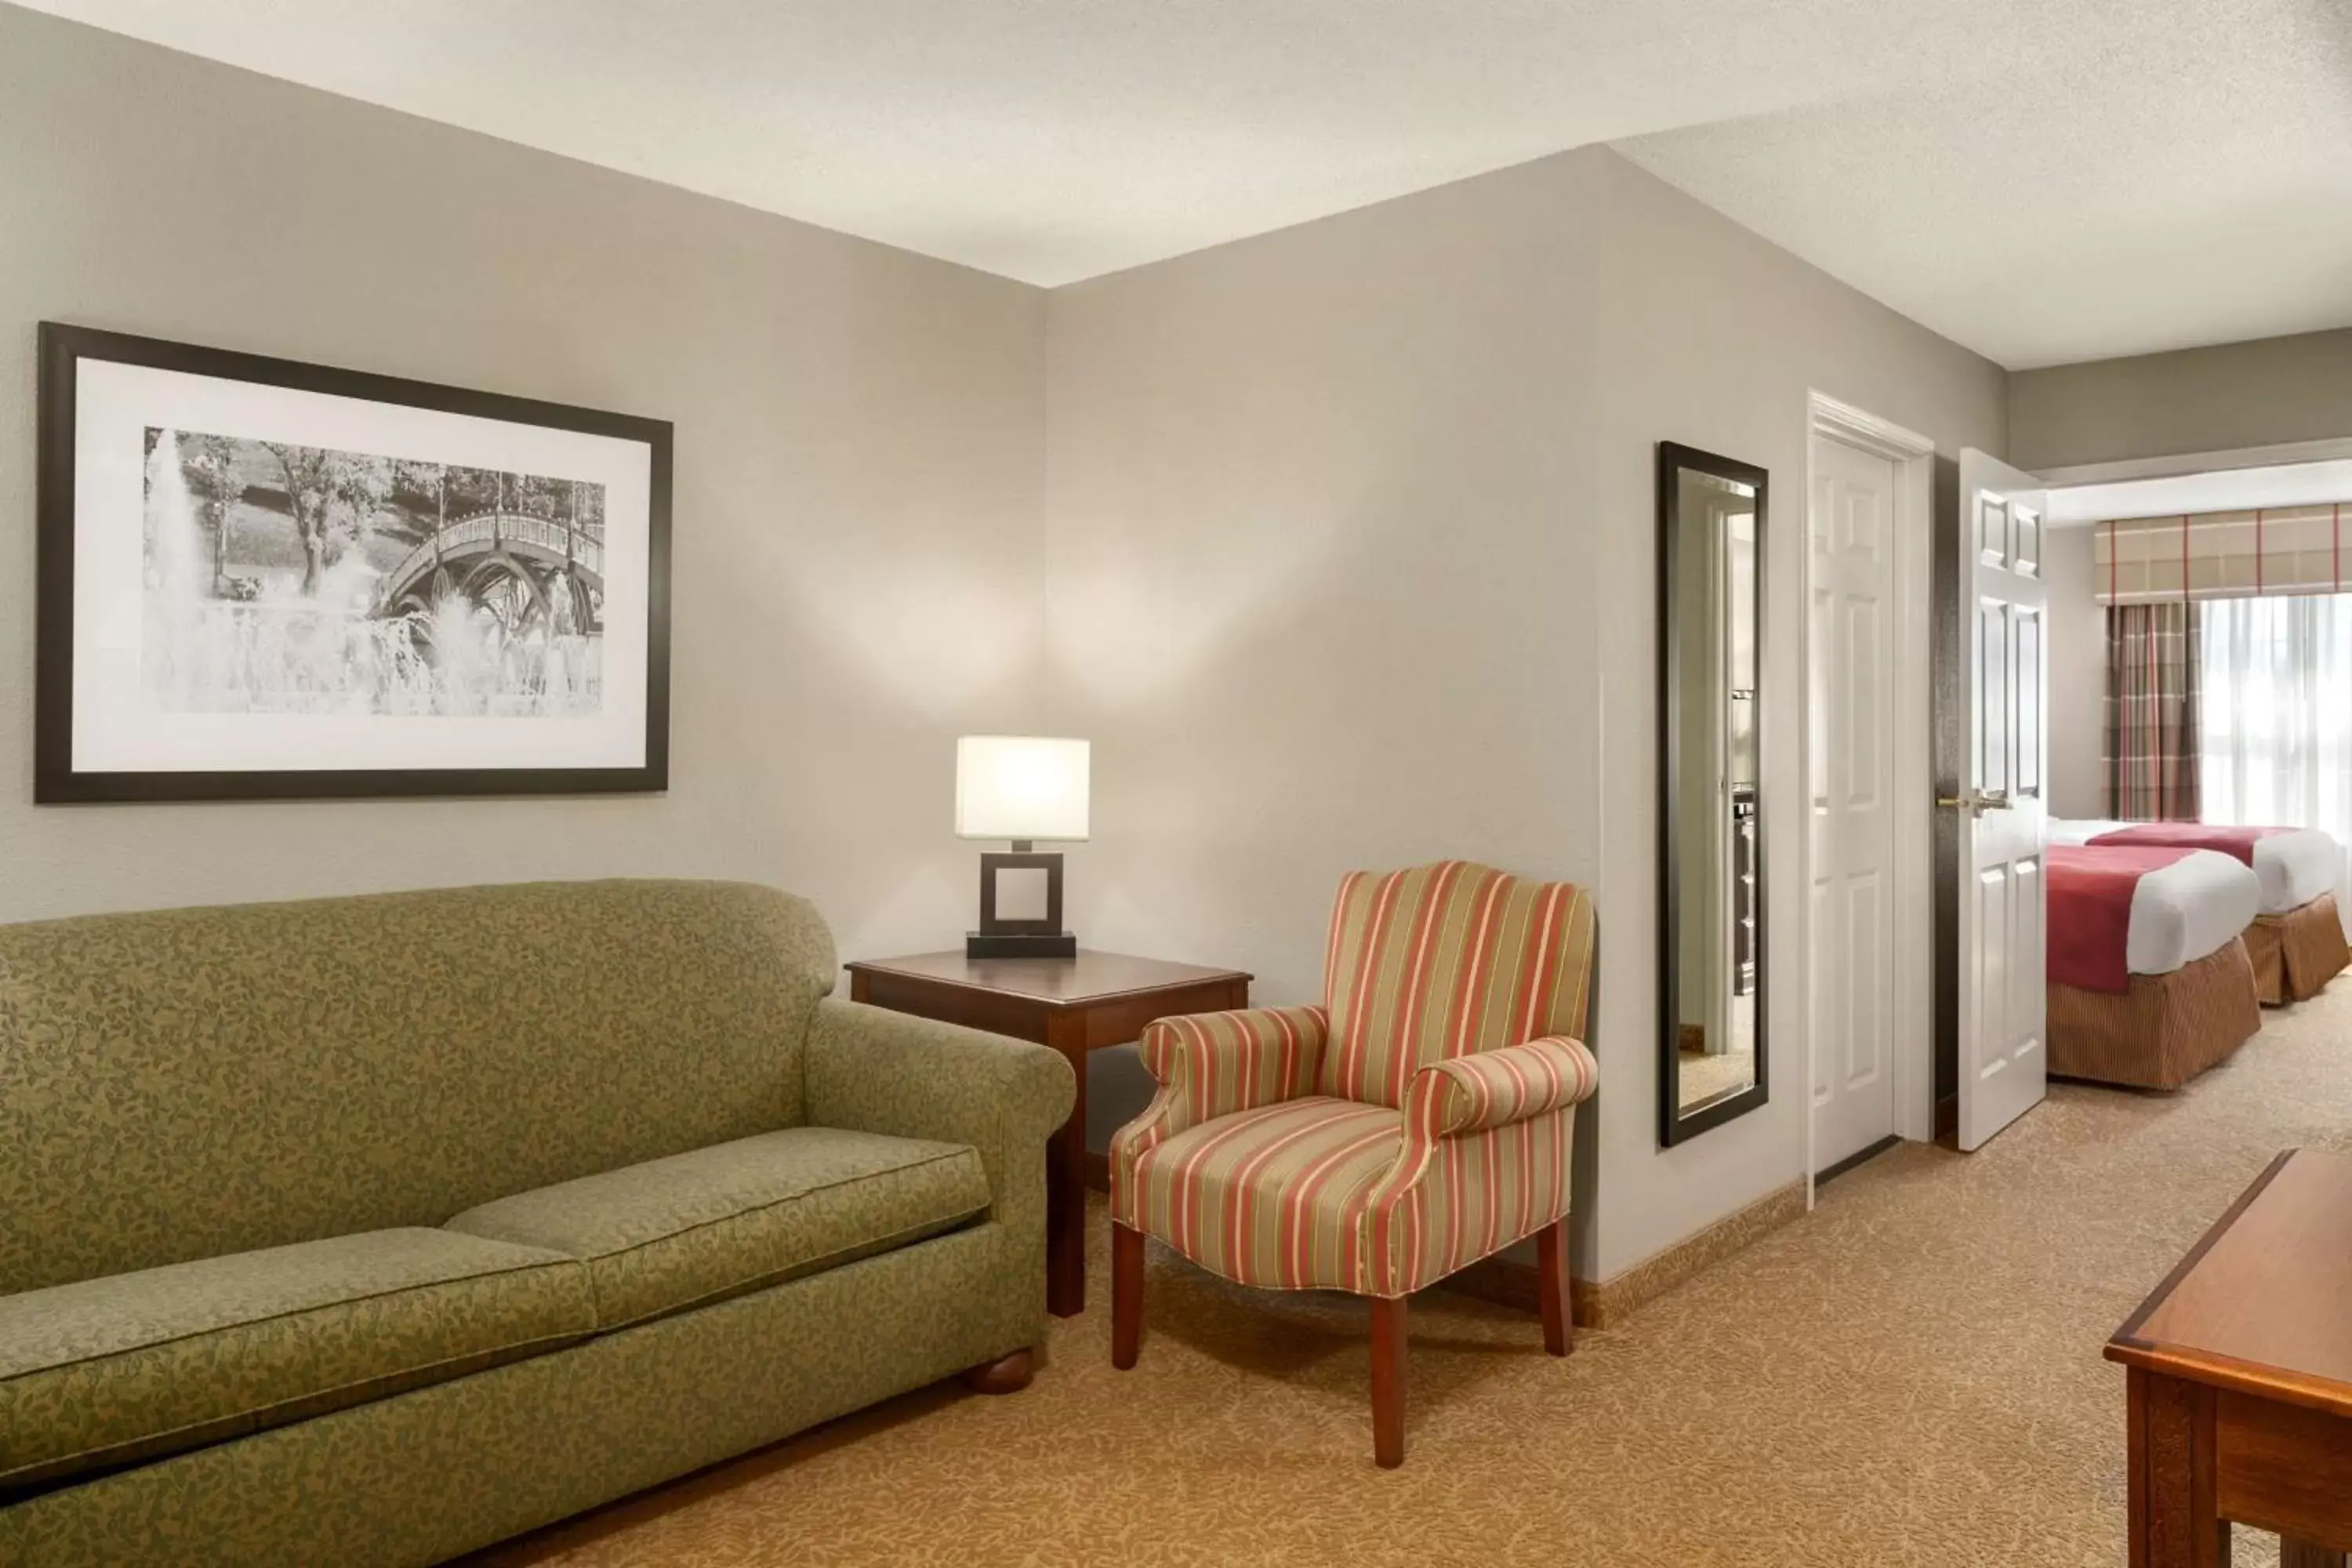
(1057, 945)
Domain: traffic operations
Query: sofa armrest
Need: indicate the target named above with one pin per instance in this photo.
(873, 1071)
(1494, 1089)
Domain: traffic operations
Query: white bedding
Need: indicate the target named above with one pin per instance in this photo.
(2291, 867)
(2191, 908)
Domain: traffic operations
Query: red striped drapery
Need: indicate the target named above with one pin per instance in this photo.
(2150, 737)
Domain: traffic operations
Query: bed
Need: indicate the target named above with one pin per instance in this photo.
(2296, 941)
(2150, 982)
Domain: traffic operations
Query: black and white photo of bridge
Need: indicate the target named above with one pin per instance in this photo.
(289, 579)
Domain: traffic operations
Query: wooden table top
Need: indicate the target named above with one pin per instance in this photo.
(1085, 981)
(2264, 1303)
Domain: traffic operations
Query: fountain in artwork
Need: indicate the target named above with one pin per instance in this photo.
(297, 580)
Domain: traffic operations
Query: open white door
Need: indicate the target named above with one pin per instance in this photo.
(2003, 992)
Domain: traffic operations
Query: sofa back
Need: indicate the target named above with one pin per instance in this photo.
(190, 1082)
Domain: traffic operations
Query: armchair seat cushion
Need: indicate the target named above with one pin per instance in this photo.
(128, 1367)
(693, 1228)
(1275, 1196)
(1320, 1193)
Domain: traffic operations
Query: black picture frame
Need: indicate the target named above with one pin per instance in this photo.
(1674, 1125)
(63, 348)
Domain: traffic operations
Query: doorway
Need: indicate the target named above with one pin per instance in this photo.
(1868, 789)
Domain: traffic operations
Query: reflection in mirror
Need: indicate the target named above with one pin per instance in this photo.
(1711, 529)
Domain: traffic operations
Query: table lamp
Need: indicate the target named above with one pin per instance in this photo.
(1022, 788)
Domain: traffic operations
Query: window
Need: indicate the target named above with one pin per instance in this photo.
(2277, 711)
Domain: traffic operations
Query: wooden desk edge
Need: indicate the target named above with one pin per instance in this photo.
(2322, 1394)
(2127, 1347)
(2128, 1334)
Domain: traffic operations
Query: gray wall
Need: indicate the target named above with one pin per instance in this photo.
(2260, 394)
(1351, 552)
(859, 452)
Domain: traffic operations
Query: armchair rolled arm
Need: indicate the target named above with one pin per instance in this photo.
(1463, 1101)
(1494, 1088)
(1215, 1064)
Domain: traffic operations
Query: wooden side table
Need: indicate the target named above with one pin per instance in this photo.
(1073, 1004)
(2239, 1379)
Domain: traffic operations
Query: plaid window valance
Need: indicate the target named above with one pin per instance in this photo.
(2222, 555)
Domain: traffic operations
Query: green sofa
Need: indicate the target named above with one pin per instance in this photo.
(374, 1230)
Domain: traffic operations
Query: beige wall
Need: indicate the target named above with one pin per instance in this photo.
(1319, 580)
(1350, 563)
(2261, 393)
(2078, 673)
(1338, 541)
(859, 453)
(1711, 336)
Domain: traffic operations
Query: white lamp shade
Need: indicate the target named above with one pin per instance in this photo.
(1020, 786)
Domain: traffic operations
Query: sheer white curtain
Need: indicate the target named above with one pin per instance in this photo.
(2277, 714)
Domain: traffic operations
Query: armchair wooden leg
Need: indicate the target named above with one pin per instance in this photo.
(1125, 1295)
(1551, 1287)
(1388, 1382)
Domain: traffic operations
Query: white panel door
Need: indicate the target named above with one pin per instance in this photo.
(1849, 530)
(2003, 999)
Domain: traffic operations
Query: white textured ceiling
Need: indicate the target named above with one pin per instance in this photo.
(2181, 178)
(2042, 180)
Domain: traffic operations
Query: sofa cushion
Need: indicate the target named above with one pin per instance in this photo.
(132, 1366)
(695, 1227)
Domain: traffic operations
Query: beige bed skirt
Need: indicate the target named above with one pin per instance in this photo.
(2297, 952)
(2163, 1031)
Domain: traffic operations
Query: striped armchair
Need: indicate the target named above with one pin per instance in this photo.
(1415, 1123)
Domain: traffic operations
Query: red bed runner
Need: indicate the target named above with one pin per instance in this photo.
(2090, 911)
(2237, 841)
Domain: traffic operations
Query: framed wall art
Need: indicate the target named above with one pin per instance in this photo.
(262, 579)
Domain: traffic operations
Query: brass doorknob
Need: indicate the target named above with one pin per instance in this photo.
(1978, 804)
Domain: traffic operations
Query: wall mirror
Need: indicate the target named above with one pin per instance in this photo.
(1712, 1046)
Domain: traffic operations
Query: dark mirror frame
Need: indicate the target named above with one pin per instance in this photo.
(1674, 1126)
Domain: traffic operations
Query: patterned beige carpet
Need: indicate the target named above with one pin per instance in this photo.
(1909, 1375)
